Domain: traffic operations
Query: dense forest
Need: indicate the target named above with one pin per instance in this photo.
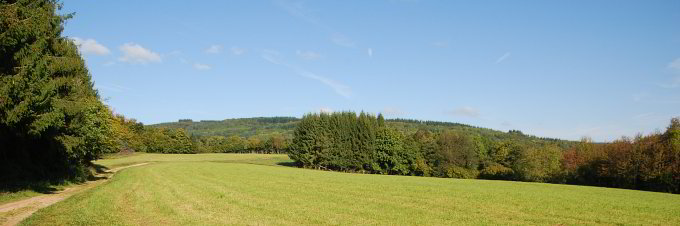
(261, 134)
(345, 141)
(243, 127)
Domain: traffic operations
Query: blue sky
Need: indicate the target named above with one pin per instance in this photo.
(562, 69)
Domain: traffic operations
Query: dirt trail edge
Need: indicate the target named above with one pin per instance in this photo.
(14, 212)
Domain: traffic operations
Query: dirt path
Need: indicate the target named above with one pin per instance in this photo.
(14, 212)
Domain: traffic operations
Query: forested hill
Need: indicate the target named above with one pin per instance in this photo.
(267, 126)
(243, 127)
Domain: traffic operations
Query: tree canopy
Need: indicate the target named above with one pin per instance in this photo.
(52, 122)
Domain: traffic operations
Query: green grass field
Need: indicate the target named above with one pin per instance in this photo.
(261, 159)
(217, 189)
(114, 161)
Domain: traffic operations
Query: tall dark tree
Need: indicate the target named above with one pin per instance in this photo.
(52, 122)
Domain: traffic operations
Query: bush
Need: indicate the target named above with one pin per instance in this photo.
(460, 172)
(496, 172)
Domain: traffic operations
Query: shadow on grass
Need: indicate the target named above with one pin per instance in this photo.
(262, 162)
(288, 164)
(51, 186)
(43, 187)
(99, 168)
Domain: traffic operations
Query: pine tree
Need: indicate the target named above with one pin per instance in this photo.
(52, 123)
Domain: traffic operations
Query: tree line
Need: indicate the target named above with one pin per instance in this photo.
(242, 127)
(650, 162)
(345, 141)
(133, 136)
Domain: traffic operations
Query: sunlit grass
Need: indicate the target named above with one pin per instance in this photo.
(182, 190)
(123, 160)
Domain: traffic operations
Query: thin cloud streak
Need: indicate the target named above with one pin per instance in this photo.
(644, 115)
(299, 10)
(674, 66)
(503, 58)
(440, 44)
(342, 40)
(390, 111)
(214, 49)
(339, 88)
(466, 112)
(202, 67)
(309, 55)
(237, 51)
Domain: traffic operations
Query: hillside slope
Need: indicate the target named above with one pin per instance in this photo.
(267, 126)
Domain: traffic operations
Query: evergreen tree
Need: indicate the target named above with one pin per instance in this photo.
(52, 123)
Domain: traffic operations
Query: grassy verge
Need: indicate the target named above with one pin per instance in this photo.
(31, 190)
(189, 192)
(6, 197)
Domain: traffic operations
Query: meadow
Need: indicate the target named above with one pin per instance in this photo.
(260, 189)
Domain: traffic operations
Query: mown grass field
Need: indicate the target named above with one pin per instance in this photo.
(261, 159)
(114, 161)
(218, 189)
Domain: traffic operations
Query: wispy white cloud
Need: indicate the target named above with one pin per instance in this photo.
(325, 110)
(369, 51)
(342, 40)
(643, 115)
(175, 53)
(339, 88)
(202, 67)
(503, 58)
(87, 46)
(405, 1)
(214, 49)
(299, 10)
(674, 66)
(466, 112)
(637, 97)
(309, 55)
(237, 51)
(136, 54)
(441, 44)
(647, 98)
(390, 111)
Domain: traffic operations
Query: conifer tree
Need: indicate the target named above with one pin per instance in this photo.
(52, 122)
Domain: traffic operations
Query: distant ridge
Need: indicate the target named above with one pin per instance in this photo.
(268, 126)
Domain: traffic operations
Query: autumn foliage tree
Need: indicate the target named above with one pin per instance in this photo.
(649, 162)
